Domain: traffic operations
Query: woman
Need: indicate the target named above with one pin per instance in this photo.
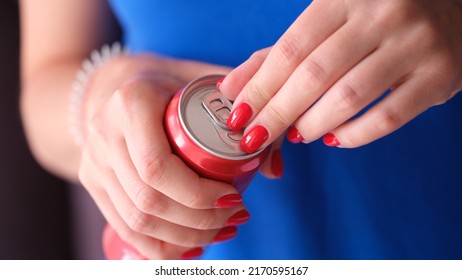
(397, 197)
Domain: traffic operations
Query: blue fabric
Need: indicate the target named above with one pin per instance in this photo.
(397, 198)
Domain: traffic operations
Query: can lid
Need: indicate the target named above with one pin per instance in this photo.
(203, 113)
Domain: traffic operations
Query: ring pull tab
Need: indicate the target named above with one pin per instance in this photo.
(218, 107)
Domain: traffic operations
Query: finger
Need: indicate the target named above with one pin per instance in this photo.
(319, 71)
(288, 52)
(146, 246)
(145, 224)
(115, 248)
(235, 81)
(404, 103)
(153, 226)
(150, 152)
(273, 167)
(150, 201)
(363, 84)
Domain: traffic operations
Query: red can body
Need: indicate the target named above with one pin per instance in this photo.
(195, 123)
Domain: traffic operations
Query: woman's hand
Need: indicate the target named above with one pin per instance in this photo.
(339, 57)
(149, 196)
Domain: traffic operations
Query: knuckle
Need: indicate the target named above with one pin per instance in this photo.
(139, 221)
(152, 169)
(313, 73)
(194, 200)
(257, 93)
(396, 13)
(288, 50)
(428, 36)
(259, 55)
(443, 98)
(124, 94)
(129, 95)
(388, 121)
(346, 98)
(275, 114)
(206, 222)
(148, 201)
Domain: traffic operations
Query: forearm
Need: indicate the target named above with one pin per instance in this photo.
(55, 37)
(44, 109)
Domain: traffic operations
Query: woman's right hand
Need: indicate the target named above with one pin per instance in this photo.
(147, 194)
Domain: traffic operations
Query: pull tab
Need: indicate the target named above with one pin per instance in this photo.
(218, 107)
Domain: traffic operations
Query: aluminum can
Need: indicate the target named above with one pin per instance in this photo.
(195, 123)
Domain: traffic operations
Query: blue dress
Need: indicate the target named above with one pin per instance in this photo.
(396, 198)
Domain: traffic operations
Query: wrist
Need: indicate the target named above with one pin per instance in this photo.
(85, 78)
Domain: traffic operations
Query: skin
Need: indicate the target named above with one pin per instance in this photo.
(147, 194)
(339, 56)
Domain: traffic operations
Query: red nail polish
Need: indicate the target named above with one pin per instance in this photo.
(330, 140)
(192, 254)
(239, 117)
(294, 136)
(238, 218)
(229, 201)
(219, 83)
(254, 139)
(225, 234)
(277, 166)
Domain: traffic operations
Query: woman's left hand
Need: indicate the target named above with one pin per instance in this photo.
(340, 56)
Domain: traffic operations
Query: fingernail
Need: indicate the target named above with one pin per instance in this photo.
(254, 139)
(229, 201)
(330, 140)
(239, 117)
(277, 166)
(225, 234)
(219, 83)
(293, 135)
(238, 218)
(192, 254)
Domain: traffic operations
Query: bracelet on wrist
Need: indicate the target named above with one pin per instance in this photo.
(81, 85)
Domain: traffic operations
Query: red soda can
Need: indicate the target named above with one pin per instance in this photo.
(115, 248)
(195, 123)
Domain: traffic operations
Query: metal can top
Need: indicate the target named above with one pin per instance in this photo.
(203, 112)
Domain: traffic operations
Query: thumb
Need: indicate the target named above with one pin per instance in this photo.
(273, 167)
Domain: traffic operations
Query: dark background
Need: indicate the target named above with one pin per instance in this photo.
(34, 206)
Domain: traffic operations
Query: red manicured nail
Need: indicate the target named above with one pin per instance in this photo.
(225, 234)
(277, 166)
(294, 136)
(330, 140)
(254, 139)
(192, 254)
(239, 117)
(238, 218)
(219, 83)
(229, 201)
